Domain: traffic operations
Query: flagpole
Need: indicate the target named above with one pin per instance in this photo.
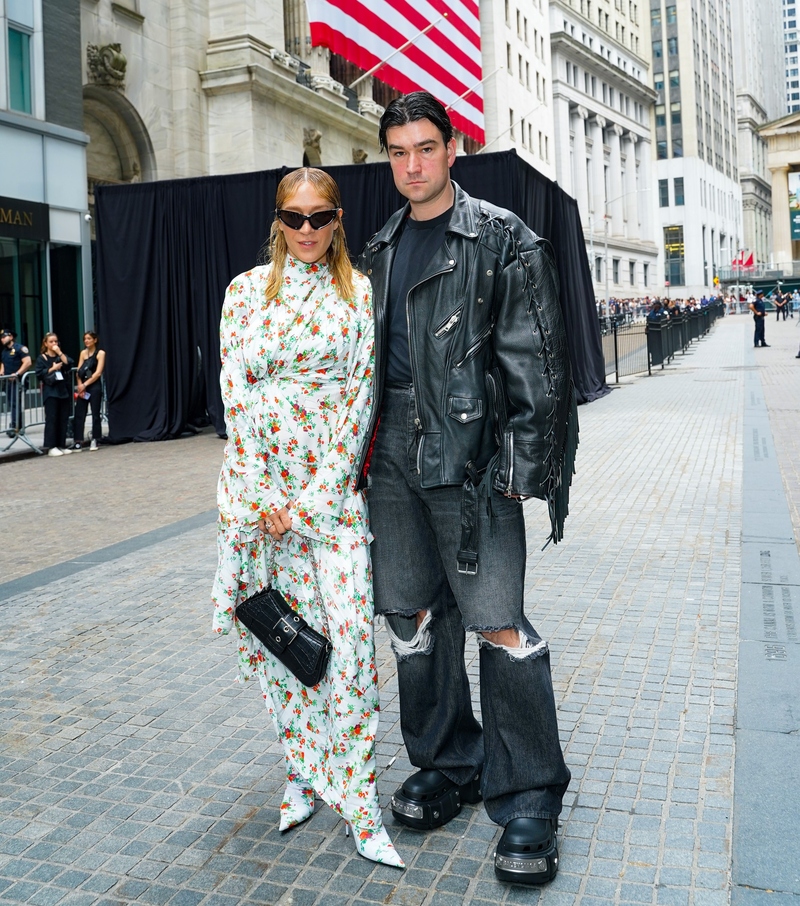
(469, 91)
(519, 120)
(408, 44)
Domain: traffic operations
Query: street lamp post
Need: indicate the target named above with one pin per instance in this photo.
(608, 304)
(606, 218)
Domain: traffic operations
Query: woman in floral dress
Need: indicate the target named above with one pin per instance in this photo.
(297, 369)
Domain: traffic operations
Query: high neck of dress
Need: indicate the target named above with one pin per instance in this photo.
(303, 269)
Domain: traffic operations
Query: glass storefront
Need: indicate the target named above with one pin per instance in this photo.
(41, 282)
(23, 299)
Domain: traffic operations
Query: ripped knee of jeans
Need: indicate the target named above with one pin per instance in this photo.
(528, 647)
(406, 637)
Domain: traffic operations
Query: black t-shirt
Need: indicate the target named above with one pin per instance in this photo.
(418, 242)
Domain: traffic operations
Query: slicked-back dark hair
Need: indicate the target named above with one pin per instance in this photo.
(419, 105)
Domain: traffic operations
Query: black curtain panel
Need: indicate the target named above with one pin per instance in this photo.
(167, 250)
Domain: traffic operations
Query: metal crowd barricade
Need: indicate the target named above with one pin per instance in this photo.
(625, 349)
(639, 347)
(23, 397)
(24, 401)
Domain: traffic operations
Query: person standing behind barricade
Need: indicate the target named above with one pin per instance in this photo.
(15, 360)
(52, 369)
(89, 390)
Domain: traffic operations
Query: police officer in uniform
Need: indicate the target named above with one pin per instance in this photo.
(15, 360)
(759, 310)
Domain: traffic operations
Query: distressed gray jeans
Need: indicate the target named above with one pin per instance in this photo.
(414, 556)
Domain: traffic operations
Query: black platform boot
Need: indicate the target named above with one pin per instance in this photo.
(428, 799)
(528, 851)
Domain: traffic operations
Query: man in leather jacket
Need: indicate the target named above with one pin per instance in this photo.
(474, 412)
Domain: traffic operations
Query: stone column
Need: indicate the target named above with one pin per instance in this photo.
(578, 118)
(298, 38)
(631, 188)
(598, 124)
(616, 193)
(561, 115)
(646, 200)
(781, 228)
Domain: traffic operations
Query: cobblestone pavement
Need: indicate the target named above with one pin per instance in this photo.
(81, 503)
(134, 770)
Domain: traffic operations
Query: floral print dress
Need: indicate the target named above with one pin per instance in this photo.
(296, 383)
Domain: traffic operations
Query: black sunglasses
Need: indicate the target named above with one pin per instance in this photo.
(318, 220)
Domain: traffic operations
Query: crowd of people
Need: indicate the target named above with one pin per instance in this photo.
(655, 309)
(639, 308)
(61, 398)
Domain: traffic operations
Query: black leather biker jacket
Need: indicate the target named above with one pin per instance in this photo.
(488, 350)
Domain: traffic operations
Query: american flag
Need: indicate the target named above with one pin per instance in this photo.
(446, 61)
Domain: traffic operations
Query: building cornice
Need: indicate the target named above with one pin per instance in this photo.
(595, 64)
(249, 65)
(620, 244)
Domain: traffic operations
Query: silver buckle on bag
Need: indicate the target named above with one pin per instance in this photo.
(284, 626)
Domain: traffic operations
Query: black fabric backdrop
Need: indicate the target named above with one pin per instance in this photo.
(167, 250)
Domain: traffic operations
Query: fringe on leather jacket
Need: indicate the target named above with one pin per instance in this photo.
(488, 353)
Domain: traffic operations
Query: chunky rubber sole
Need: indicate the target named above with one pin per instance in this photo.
(527, 852)
(428, 799)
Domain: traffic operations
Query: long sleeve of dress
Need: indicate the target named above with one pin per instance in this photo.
(324, 507)
(246, 492)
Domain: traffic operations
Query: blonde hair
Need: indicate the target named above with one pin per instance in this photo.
(338, 260)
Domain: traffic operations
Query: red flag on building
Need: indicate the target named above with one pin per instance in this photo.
(743, 259)
(446, 61)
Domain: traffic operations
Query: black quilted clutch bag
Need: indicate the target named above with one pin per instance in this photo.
(286, 634)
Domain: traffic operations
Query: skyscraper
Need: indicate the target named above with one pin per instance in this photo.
(695, 122)
(792, 82)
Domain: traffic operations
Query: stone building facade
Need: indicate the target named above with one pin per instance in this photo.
(176, 89)
(783, 159)
(699, 197)
(602, 110)
(182, 88)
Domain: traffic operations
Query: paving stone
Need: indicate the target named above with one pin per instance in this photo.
(140, 753)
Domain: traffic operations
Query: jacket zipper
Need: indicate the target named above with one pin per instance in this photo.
(510, 486)
(472, 351)
(448, 325)
(420, 427)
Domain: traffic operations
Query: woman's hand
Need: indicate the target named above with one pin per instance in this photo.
(80, 387)
(277, 524)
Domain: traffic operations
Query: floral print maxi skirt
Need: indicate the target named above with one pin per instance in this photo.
(327, 731)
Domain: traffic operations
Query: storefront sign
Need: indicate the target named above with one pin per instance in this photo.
(794, 204)
(24, 219)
